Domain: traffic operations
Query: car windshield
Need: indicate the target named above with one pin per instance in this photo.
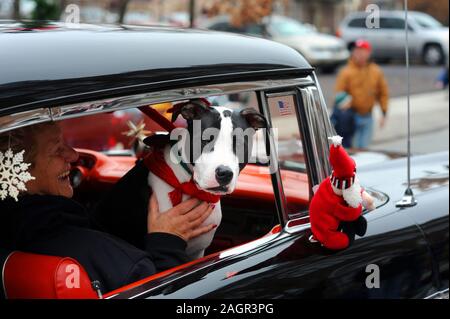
(287, 27)
(426, 21)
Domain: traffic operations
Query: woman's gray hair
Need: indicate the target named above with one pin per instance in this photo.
(23, 139)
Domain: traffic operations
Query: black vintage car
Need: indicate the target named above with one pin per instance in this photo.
(263, 248)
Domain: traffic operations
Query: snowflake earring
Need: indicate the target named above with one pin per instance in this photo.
(13, 174)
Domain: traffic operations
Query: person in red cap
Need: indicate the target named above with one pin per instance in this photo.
(364, 81)
(336, 207)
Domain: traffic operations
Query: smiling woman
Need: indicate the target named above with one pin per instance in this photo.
(43, 219)
(48, 154)
(51, 165)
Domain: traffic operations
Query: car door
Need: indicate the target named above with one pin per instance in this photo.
(391, 260)
(393, 37)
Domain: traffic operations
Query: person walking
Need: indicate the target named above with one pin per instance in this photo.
(364, 81)
(343, 118)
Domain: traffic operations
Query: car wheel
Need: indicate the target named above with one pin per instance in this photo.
(433, 55)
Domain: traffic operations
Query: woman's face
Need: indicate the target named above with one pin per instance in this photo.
(52, 164)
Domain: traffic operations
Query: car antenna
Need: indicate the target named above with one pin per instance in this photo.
(408, 199)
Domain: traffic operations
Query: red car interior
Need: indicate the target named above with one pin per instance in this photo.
(32, 276)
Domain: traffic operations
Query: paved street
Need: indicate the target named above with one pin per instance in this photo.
(437, 141)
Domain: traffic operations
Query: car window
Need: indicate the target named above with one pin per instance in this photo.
(291, 157)
(249, 213)
(357, 23)
(108, 131)
(426, 21)
(392, 23)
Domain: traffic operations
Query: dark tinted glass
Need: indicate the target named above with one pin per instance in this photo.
(357, 23)
(392, 23)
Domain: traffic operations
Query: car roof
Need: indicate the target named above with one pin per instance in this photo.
(59, 64)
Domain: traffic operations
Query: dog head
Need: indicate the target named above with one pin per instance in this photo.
(218, 143)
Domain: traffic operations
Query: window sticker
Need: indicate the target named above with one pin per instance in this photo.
(283, 104)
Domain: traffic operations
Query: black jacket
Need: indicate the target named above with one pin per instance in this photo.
(54, 225)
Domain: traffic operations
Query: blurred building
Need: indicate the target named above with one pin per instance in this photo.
(325, 15)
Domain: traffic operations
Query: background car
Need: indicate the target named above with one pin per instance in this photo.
(320, 50)
(428, 38)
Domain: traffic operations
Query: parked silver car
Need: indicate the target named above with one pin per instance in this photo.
(321, 50)
(428, 38)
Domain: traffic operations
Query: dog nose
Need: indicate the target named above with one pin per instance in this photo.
(224, 175)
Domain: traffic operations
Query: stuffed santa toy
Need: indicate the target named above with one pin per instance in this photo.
(336, 207)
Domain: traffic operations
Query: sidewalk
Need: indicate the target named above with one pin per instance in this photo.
(429, 113)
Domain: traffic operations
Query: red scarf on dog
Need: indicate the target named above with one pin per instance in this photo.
(156, 163)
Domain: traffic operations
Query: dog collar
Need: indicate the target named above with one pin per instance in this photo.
(180, 159)
(157, 165)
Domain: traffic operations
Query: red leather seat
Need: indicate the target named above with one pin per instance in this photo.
(32, 276)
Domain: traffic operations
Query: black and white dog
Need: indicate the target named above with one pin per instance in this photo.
(210, 152)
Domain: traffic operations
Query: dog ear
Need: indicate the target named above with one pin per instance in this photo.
(254, 118)
(191, 110)
(194, 109)
(157, 140)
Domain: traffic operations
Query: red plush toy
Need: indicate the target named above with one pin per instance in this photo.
(335, 210)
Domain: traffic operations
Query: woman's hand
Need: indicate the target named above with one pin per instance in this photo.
(183, 220)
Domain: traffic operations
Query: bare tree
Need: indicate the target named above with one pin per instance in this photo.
(436, 8)
(122, 9)
(191, 13)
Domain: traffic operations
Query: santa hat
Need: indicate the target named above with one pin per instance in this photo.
(344, 167)
(343, 177)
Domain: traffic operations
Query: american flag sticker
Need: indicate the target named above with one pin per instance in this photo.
(284, 107)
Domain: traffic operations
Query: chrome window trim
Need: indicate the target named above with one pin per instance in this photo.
(280, 197)
(439, 294)
(292, 229)
(22, 119)
(58, 113)
(319, 129)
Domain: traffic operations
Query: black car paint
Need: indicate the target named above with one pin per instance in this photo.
(52, 68)
(410, 247)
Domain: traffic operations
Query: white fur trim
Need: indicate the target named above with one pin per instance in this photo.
(352, 195)
(336, 140)
(315, 188)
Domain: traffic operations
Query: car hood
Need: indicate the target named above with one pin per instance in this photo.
(428, 172)
(365, 158)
